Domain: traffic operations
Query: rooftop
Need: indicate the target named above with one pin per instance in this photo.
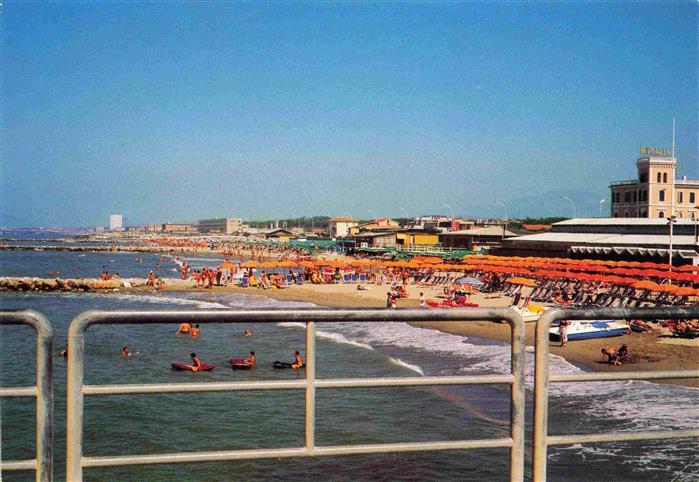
(487, 231)
(341, 220)
(620, 222)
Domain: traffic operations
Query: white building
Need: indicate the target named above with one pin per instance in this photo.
(340, 227)
(116, 222)
(220, 226)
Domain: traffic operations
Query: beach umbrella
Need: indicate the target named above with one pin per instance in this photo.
(687, 268)
(665, 288)
(684, 291)
(227, 265)
(521, 281)
(644, 285)
(249, 264)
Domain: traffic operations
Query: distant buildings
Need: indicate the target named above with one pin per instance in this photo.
(441, 223)
(116, 222)
(179, 228)
(340, 227)
(655, 193)
(220, 226)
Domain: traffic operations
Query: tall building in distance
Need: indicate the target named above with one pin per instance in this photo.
(655, 193)
(116, 222)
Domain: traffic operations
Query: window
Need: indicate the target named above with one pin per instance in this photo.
(679, 197)
(665, 178)
(634, 196)
(643, 177)
(691, 198)
(679, 215)
(626, 214)
(627, 197)
(661, 195)
(693, 215)
(661, 214)
(660, 177)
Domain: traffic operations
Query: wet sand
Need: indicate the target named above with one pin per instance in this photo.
(655, 351)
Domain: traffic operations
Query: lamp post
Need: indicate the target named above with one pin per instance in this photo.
(571, 203)
(451, 209)
(601, 201)
(504, 228)
(696, 224)
(407, 216)
(671, 221)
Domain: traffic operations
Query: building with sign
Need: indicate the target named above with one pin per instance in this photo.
(655, 193)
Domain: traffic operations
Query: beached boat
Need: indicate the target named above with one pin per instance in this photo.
(530, 313)
(585, 330)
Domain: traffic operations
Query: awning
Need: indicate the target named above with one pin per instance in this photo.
(633, 251)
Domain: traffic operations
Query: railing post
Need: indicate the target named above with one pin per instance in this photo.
(310, 385)
(517, 396)
(74, 399)
(44, 400)
(541, 392)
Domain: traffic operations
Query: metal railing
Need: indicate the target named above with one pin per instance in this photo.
(43, 391)
(77, 390)
(542, 379)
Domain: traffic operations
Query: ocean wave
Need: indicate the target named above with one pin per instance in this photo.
(407, 365)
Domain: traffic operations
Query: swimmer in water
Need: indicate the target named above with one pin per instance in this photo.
(125, 351)
(250, 361)
(64, 352)
(195, 331)
(184, 329)
(247, 333)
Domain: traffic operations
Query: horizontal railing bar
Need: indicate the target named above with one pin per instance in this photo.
(293, 452)
(18, 465)
(412, 381)
(193, 387)
(620, 437)
(18, 392)
(601, 377)
(292, 384)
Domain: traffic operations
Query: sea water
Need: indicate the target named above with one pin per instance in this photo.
(135, 424)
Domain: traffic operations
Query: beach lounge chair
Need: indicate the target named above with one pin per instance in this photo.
(346, 278)
(299, 279)
(354, 277)
(362, 278)
(289, 279)
(243, 283)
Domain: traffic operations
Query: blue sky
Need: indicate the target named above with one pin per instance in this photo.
(180, 111)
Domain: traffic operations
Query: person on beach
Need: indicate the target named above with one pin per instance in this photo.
(389, 298)
(184, 329)
(298, 361)
(423, 301)
(151, 279)
(196, 362)
(195, 331)
(125, 351)
(563, 329)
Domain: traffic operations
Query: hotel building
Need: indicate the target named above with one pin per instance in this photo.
(652, 193)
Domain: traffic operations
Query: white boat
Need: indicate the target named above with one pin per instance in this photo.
(585, 330)
(530, 313)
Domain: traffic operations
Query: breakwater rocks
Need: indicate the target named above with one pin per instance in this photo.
(71, 284)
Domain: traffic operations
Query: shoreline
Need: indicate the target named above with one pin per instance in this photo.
(649, 352)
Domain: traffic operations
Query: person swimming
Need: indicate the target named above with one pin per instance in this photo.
(184, 329)
(195, 331)
(298, 361)
(125, 351)
(64, 352)
(247, 332)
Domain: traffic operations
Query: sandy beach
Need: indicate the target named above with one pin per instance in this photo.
(656, 351)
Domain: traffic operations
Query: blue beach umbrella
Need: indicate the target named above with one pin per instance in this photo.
(469, 281)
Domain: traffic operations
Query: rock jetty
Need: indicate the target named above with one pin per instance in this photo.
(69, 284)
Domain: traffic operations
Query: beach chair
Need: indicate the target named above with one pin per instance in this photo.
(362, 278)
(243, 283)
(346, 278)
(354, 277)
(289, 279)
(299, 278)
